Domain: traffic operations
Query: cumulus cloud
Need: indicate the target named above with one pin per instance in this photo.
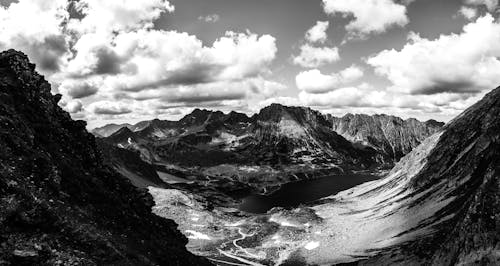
(77, 89)
(313, 81)
(46, 43)
(366, 99)
(318, 32)
(469, 13)
(369, 16)
(109, 108)
(462, 63)
(212, 18)
(311, 56)
(110, 52)
(108, 17)
(490, 4)
(74, 106)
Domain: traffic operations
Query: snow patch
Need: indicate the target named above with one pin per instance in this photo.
(312, 245)
(197, 235)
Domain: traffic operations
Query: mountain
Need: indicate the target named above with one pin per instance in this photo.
(277, 135)
(392, 136)
(130, 164)
(109, 129)
(59, 204)
(440, 204)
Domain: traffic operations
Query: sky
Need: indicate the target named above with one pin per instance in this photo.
(128, 60)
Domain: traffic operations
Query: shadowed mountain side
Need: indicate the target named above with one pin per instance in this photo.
(463, 166)
(58, 203)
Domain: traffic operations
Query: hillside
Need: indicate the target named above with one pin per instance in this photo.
(58, 203)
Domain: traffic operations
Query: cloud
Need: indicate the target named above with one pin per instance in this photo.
(369, 16)
(212, 18)
(318, 32)
(313, 81)
(461, 63)
(366, 99)
(45, 44)
(109, 108)
(209, 92)
(77, 89)
(166, 59)
(110, 52)
(469, 13)
(74, 106)
(490, 4)
(109, 17)
(311, 56)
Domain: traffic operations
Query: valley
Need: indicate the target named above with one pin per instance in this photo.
(249, 133)
(286, 190)
(324, 205)
(260, 190)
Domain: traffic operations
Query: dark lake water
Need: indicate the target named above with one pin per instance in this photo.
(296, 193)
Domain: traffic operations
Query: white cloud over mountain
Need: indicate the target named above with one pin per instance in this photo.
(313, 81)
(108, 51)
(111, 59)
(459, 63)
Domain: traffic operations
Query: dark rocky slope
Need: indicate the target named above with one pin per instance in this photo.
(464, 167)
(129, 164)
(59, 205)
(392, 136)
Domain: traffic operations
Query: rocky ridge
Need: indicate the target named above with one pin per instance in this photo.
(59, 204)
(391, 136)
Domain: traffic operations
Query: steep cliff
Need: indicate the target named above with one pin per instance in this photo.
(392, 136)
(59, 205)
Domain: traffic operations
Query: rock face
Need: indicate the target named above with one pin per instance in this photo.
(58, 203)
(392, 136)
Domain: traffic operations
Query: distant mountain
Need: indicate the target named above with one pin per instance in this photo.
(392, 136)
(277, 135)
(108, 130)
(59, 204)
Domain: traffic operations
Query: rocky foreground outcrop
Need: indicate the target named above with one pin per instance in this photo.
(392, 136)
(59, 205)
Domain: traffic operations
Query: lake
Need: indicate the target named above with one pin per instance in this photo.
(295, 193)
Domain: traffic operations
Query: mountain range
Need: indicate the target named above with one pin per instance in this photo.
(439, 205)
(69, 199)
(278, 135)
